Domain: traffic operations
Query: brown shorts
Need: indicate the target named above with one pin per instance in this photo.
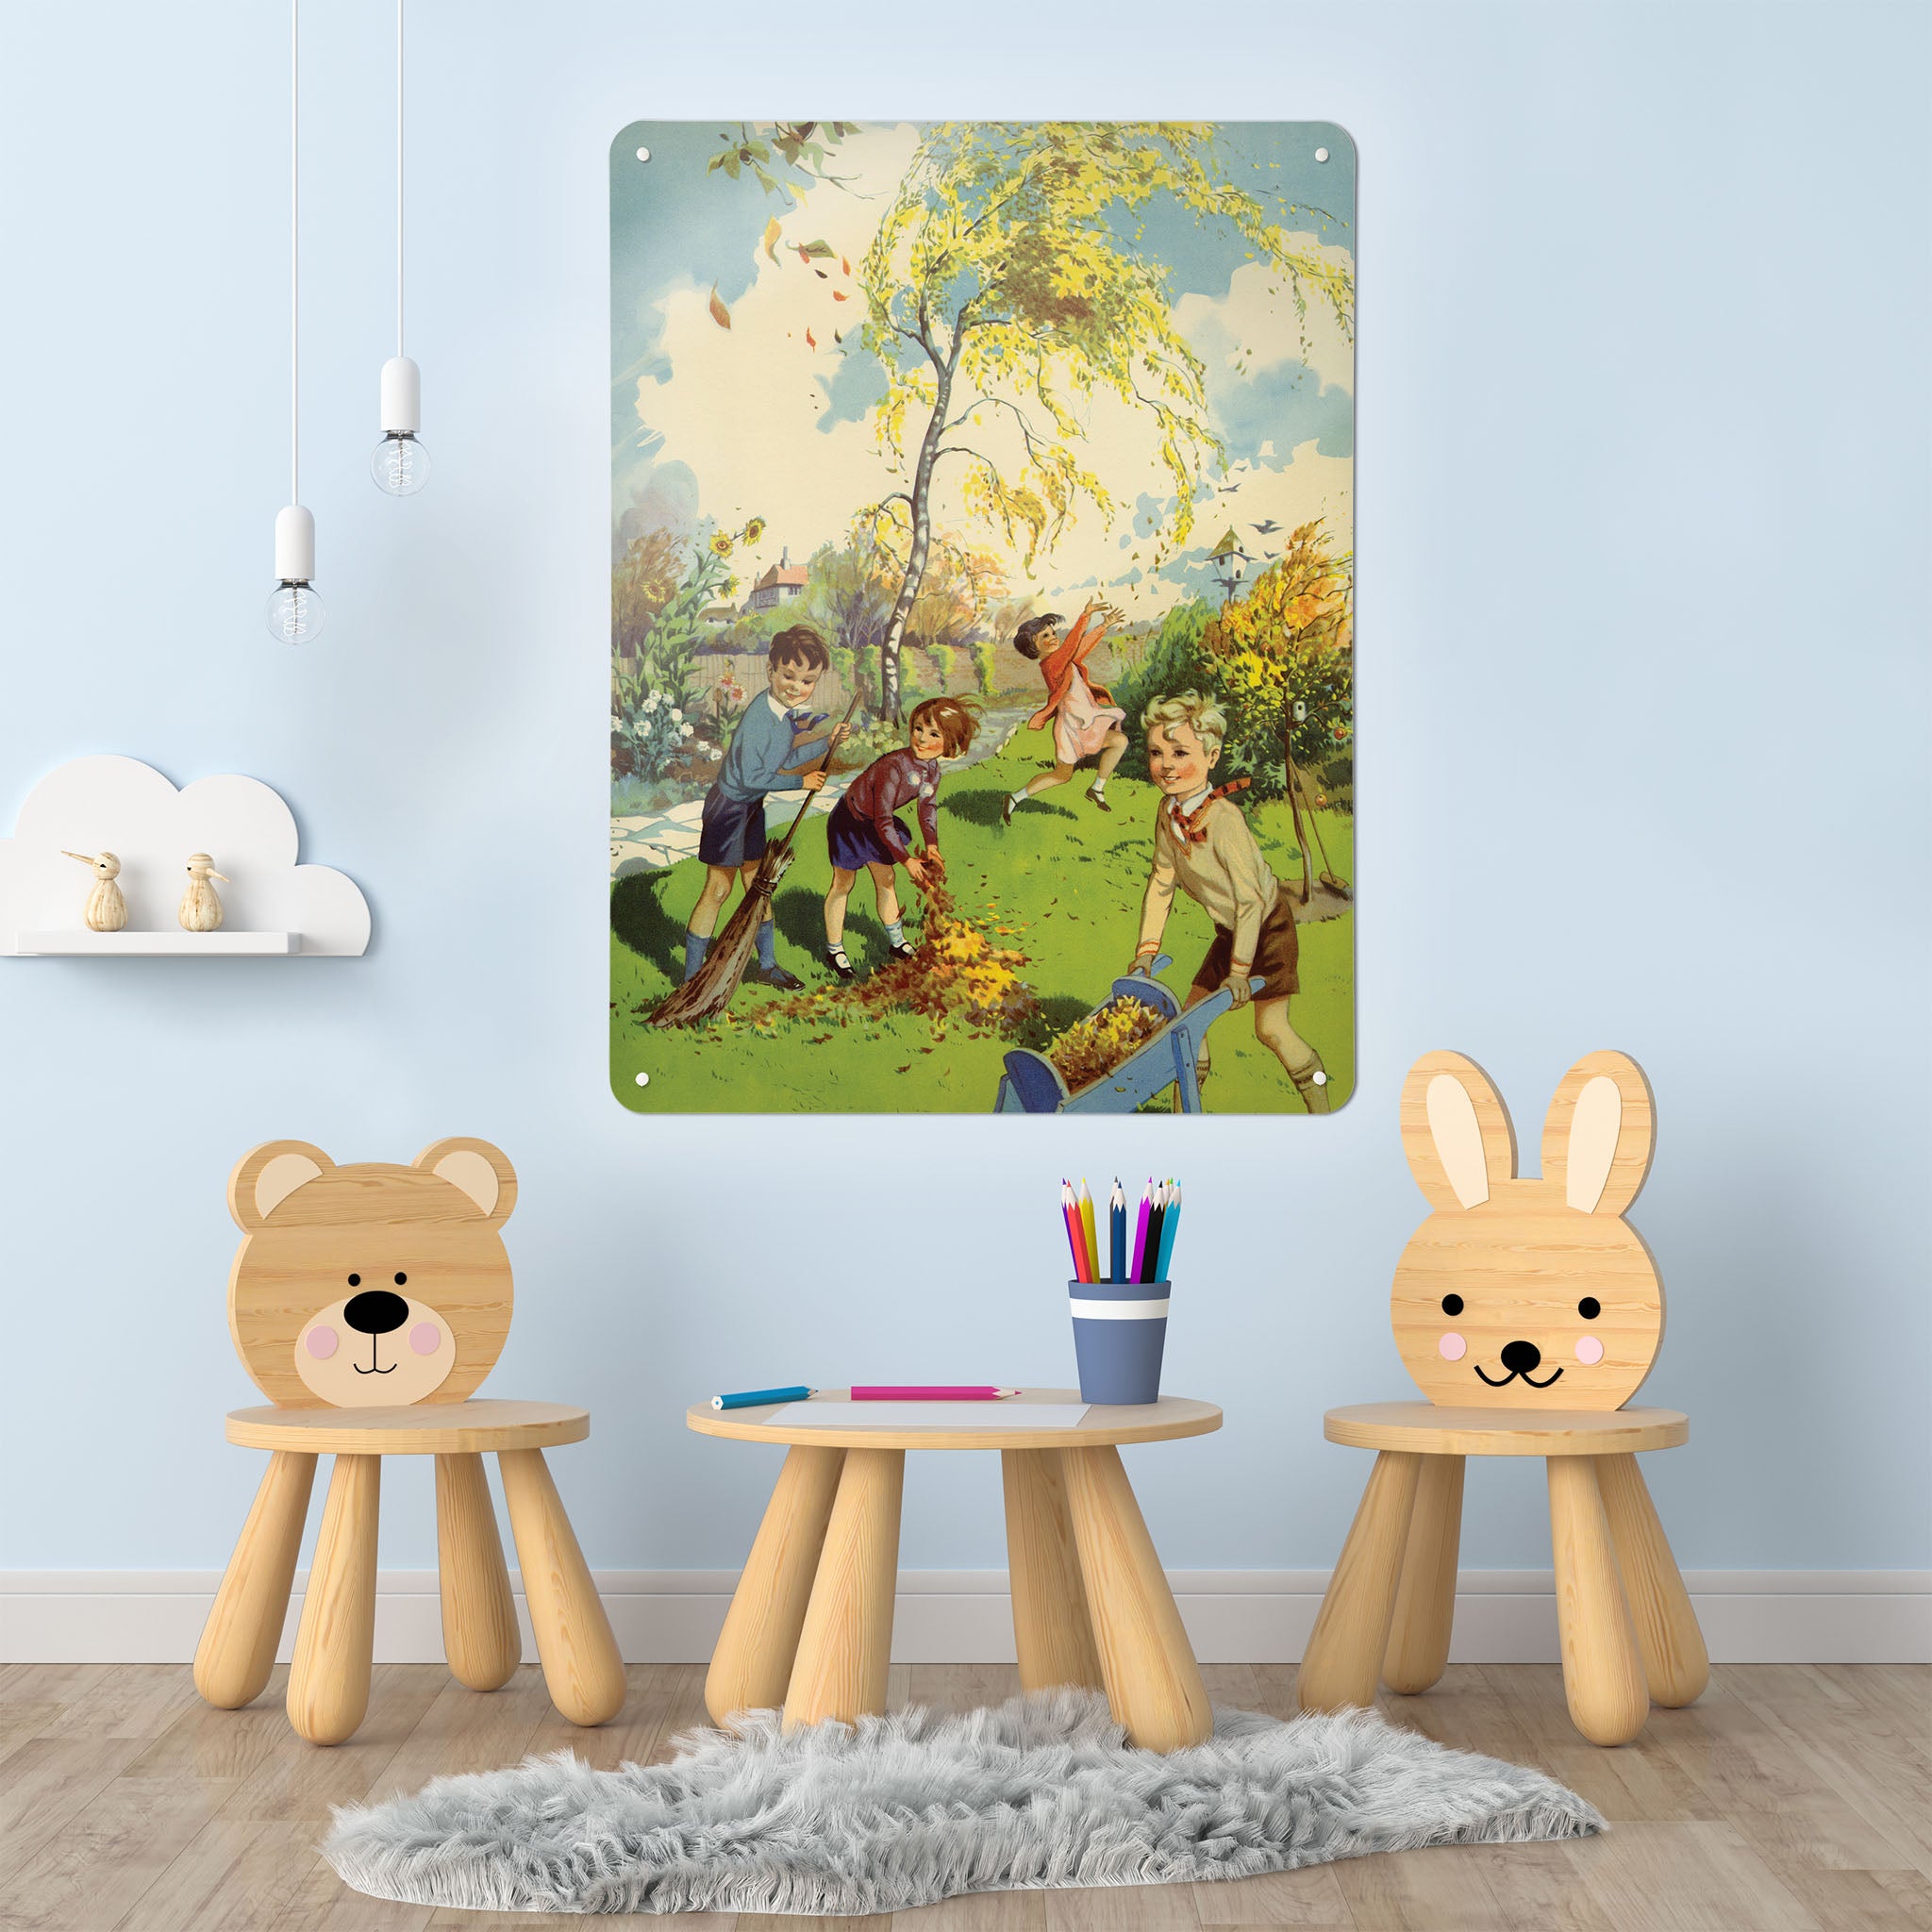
(1278, 956)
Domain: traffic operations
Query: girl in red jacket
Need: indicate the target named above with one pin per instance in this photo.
(1085, 723)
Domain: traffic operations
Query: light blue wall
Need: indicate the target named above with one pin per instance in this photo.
(1643, 652)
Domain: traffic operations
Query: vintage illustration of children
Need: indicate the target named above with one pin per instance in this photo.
(769, 751)
(1085, 724)
(1204, 846)
(862, 830)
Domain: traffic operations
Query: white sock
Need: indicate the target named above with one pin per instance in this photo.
(1098, 786)
(1019, 798)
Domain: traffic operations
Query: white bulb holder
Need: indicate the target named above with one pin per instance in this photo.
(294, 545)
(402, 397)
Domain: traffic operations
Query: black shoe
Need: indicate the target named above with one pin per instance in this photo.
(1006, 809)
(902, 951)
(841, 966)
(775, 976)
(1099, 798)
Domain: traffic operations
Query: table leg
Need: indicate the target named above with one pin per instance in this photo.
(1052, 1631)
(1351, 1635)
(1675, 1664)
(752, 1663)
(480, 1638)
(238, 1642)
(329, 1680)
(846, 1644)
(1153, 1683)
(1425, 1600)
(1602, 1674)
(581, 1665)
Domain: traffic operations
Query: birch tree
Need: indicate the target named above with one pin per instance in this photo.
(1010, 284)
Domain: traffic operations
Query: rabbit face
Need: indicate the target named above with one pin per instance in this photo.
(1518, 1293)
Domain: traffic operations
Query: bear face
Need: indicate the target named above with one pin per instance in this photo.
(1528, 1292)
(373, 1284)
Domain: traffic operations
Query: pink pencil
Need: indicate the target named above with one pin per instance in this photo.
(919, 1392)
(1140, 1232)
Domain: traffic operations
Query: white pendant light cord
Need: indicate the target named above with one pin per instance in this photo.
(399, 176)
(294, 251)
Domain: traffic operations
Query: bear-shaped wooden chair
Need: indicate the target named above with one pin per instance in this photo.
(367, 1303)
(1529, 1312)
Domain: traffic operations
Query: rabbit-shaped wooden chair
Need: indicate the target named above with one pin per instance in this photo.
(1529, 1312)
(367, 1303)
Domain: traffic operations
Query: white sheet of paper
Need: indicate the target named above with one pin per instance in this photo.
(929, 1415)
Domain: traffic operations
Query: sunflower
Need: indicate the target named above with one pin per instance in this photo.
(754, 529)
(721, 544)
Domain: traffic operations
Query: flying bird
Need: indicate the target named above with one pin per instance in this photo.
(1267, 529)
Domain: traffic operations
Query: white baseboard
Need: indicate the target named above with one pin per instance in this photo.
(963, 1616)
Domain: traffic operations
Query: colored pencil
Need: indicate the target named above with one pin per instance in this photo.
(1117, 1223)
(1068, 1209)
(1140, 1232)
(927, 1391)
(1170, 1222)
(753, 1398)
(1157, 1215)
(1087, 1229)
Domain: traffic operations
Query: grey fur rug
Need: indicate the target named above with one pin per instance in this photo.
(923, 1804)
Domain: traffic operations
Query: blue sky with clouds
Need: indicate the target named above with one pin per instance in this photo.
(677, 228)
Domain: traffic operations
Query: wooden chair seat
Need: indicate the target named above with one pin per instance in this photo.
(1426, 1428)
(421, 1429)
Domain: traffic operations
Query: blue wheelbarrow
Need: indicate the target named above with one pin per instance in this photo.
(1032, 1083)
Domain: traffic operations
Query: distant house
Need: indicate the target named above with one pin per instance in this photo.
(779, 585)
(716, 616)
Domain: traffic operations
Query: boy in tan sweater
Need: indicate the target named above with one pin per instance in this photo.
(1202, 846)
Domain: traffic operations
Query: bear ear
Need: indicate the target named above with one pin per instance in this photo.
(481, 1171)
(265, 1177)
(1599, 1133)
(1455, 1131)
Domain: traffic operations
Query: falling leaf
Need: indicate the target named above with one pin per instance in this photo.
(811, 342)
(820, 273)
(719, 314)
(836, 337)
(772, 238)
(839, 296)
(845, 265)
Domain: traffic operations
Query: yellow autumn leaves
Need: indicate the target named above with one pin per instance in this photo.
(1092, 1048)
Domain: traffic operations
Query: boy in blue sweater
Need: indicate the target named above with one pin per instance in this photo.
(769, 753)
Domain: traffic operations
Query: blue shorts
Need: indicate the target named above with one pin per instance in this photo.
(732, 830)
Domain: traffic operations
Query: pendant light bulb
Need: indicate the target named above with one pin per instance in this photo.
(296, 613)
(400, 464)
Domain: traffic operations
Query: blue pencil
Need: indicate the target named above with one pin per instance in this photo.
(753, 1398)
(1117, 1216)
(1171, 1221)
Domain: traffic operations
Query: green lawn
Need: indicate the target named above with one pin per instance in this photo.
(1066, 882)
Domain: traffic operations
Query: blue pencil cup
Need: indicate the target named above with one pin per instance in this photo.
(1119, 1328)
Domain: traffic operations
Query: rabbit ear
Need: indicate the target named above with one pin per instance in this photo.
(1455, 1131)
(1599, 1133)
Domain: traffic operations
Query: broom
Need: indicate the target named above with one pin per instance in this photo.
(708, 991)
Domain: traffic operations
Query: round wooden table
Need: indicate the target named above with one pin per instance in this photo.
(810, 1625)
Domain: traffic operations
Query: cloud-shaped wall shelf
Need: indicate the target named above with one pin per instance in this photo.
(274, 907)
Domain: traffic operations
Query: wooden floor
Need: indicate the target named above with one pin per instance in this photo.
(1790, 1799)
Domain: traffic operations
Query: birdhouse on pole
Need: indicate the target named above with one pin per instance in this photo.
(1227, 560)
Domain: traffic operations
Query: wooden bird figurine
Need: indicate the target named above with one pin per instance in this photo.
(107, 910)
(201, 905)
